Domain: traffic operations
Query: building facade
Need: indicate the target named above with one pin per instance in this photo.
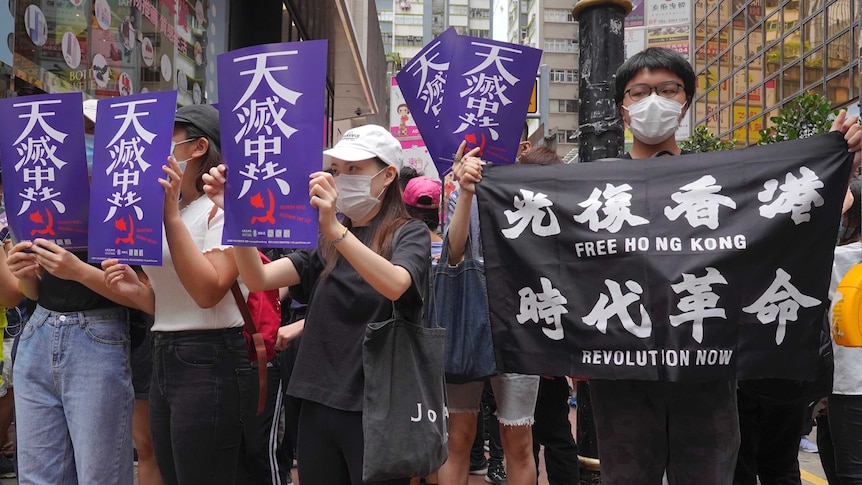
(107, 48)
(754, 56)
(407, 25)
(548, 25)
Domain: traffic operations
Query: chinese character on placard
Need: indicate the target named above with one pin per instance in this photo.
(127, 148)
(546, 307)
(487, 84)
(616, 208)
(780, 302)
(531, 210)
(616, 305)
(261, 112)
(796, 196)
(699, 201)
(701, 303)
(38, 161)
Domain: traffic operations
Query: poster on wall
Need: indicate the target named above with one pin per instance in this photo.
(51, 45)
(635, 18)
(635, 40)
(749, 133)
(116, 47)
(668, 12)
(674, 37)
(7, 27)
(401, 125)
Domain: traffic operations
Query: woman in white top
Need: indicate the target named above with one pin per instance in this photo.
(201, 371)
(840, 441)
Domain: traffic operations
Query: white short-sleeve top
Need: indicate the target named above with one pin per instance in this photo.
(175, 308)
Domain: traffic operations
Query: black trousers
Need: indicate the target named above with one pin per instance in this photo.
(770, 431)
(487, 420)
(286, 359)
(553, 430)
(261, 460)
(845, 426)
(330, 447)
(826, 450)
(644, 428)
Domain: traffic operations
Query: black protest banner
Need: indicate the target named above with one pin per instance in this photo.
(695, 267)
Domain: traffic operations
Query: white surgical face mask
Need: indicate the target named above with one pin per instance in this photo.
(185, 162)
(354, 195)
(654, 119)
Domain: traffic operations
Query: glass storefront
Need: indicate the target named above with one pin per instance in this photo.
(753, 56)
(118, 47)
(107, 48)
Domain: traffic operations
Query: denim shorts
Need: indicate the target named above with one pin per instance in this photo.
(515, 395)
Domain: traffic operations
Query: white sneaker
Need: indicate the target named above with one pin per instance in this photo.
(807, 446)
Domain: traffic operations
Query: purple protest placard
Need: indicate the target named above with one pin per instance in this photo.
(635, 18)
(133, 140)
(488, 91)
(45, 168)
(422, 82)
(271, 116)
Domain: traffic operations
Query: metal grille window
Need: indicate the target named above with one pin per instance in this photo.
(558, 15)
(564, 75)
(563, 106)
(561, 45)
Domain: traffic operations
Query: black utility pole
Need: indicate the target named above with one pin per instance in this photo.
(602, 51)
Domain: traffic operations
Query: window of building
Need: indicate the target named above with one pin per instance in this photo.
(459, 10)
(480, 13)
(561, 45)
(564, 75)
(481, 33)
(408, 19)
(409, 40)
(567, 136)
(558, 15)
(563, 106)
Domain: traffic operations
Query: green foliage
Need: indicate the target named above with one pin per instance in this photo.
(702, 140)
(807, 115)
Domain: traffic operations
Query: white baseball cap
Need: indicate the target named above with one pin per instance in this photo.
(90, 109)
(364, 142)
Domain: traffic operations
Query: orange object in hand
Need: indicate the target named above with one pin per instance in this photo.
(847, 309)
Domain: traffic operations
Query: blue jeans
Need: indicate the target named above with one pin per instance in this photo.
(73, 398)
(200, 395)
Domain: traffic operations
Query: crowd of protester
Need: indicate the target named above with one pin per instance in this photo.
(114, 361)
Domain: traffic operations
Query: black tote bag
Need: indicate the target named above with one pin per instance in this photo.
(403, 411)
(458, 302)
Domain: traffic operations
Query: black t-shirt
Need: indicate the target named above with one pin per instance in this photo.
(66, 296)
(628, 156)
(328, 367)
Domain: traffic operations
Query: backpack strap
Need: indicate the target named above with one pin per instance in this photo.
(259, 347)
(212, 214)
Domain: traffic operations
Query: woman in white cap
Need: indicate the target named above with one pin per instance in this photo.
(378, 255)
